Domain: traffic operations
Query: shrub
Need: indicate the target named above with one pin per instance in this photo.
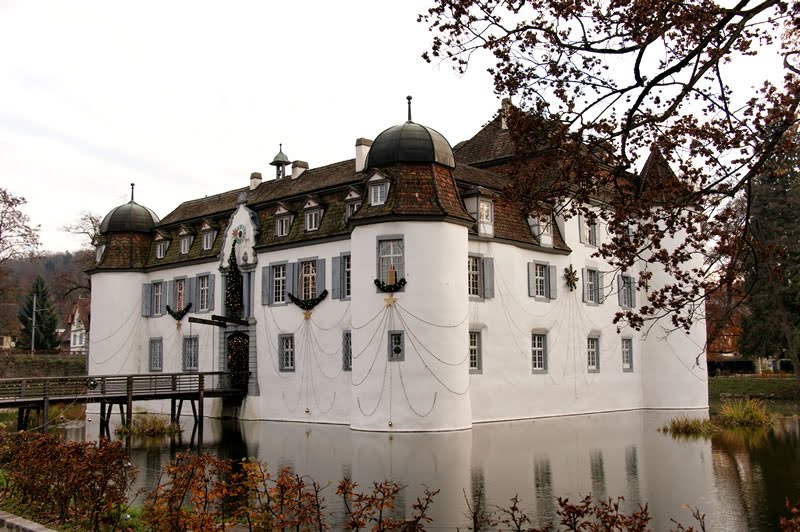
(684, 426)
(744, 413)
(149, 425)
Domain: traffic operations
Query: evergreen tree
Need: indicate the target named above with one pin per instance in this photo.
(46, 318)
(234, 302)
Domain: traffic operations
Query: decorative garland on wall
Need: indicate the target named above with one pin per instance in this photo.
(179, 314)
(308, 304)
(571, 276)
(383, 287)
(234, 300)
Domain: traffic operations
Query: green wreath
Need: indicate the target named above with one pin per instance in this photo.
(308, 304)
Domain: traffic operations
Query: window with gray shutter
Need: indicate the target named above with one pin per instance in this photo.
(488, 277)
(147, 295)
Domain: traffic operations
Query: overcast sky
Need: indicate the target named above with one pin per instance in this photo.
(186, 99)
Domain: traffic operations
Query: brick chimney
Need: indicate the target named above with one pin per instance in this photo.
(362, 150)
(505, 105)
(298, 167)
(255, 180)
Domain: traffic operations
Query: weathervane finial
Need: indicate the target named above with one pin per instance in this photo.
(132, 185)
(409, 107)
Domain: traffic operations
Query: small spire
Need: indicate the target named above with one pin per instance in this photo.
(132, 185)
(409, 107)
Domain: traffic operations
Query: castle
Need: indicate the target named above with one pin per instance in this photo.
(397, 291)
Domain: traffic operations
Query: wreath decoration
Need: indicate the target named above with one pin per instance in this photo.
(91, 383)
(308, 304)
(179, 314)
(571, 277)
(383, 287)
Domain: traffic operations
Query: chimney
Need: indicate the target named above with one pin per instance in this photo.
(362, 150)
(298, 167)
(255, 180)
(505, 105)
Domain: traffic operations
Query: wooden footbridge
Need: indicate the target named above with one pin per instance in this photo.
(37, 394)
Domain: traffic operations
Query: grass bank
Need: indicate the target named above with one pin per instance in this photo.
(18, 365)
(755, 386)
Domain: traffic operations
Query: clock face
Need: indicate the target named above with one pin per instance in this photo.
(241, 233)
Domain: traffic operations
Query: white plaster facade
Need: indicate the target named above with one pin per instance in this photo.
(433, 387)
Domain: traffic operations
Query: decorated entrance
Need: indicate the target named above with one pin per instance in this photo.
(238, 354)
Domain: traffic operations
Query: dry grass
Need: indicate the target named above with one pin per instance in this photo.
(149, 425)
(685, 426)
(744, 413)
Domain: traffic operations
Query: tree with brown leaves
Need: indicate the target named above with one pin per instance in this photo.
(599, 84)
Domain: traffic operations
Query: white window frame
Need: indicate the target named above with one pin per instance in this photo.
(589, 233)
(592, 286)
(378, 192)
(538, 352)
(208, 240)
(158, 294)
(313, 218)
(541, 278)
(308, 279)
(180, 294)
(279, 283)
(286, 352)
(627, 291)
(347, 281)
(155, 354)
(485, 211)
(593, 354)
(474, 276)
(282, 225)
(99, 252)
(475, 352)
(627, 355)
(347, 351)
(161, 249)
(396, 339)
(545, 225)
(186, 244)
(391, 252)
(191, 353)
(352, 208)
(203, 296)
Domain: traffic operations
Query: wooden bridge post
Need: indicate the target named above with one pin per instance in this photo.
(45, 408)
(129, 413)
(200, 395)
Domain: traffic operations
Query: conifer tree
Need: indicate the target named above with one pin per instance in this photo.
(233, 289)
(46, 318)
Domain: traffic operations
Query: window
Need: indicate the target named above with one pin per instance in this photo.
(347, 351)
(626, 290)
(593, 354)
(186, 243)
(346, 286)
(545, 226)
(591, 286)
(161, 249)
(279, 283)
(180, 294)
(156, 354)
(475, 362)
(286, 352)
(282, 226)
(190, 353)
(208, 240)
(390, 261)
(627, 354)
(539, 352)
(396, 346)
(541, 280)
(352, 208)
(203, 292)
(377, 194)
(99, 253)
(308, 279)
(158, 298)
(588, 231)
(312, 220)
(474, 275)
(485, 215)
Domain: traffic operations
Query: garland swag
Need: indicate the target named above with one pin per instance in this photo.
(179, 314)
(383, 287)
(234, 300)
(308, 304)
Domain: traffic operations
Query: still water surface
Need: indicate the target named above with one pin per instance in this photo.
(739, 480)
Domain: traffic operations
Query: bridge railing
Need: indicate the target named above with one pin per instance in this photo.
(97, 386)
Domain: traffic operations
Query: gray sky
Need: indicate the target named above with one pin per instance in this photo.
(187, 98)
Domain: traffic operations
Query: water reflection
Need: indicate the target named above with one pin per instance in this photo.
(739, 482)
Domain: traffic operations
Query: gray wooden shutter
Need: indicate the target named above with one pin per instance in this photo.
(336, 277)
(191, 292)
(601, 287)
(211, 292)
(633, 304)
(544, 352)
(552, 279)
(584, 285)
(169, 287)
(265, 284)
(291, 278)
(620, 288)
(320, 276)
(147, 297)
(581, 238)
(488, 277)
(531, 279)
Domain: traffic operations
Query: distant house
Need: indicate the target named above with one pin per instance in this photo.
(77, 330)
(9, 325)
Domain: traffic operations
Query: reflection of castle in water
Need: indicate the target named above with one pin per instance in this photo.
(616, 454)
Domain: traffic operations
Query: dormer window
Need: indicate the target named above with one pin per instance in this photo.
(377, 193)
(208, 240)
(161, 249)
(100, 250)
(186, 243)
(312, 220)
(352, 208)
(485, 212)
(282, 226)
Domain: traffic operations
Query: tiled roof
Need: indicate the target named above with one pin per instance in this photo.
(492, 144)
